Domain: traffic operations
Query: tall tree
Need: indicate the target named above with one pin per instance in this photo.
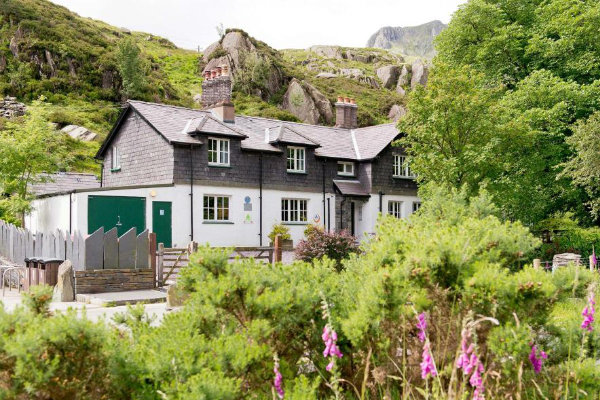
(131, 67)
(29, 150)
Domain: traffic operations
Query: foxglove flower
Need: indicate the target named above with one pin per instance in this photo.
(278, 381)
(535, 361)
(329, 337)
(469, 362)
(588, 314)
(422, 325)
(427, 365)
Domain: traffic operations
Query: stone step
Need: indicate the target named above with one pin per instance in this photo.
(122, 298)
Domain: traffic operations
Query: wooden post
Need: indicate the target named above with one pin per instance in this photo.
(278, 249)
(537, 263)
(192, 247)
(161, 253)
(152, 255)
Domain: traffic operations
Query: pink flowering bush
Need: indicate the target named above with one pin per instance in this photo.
(319, 243)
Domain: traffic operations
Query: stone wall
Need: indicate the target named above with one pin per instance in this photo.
(10, 107)
(113, 280)
(216, 90)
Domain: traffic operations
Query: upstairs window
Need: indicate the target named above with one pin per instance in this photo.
(395, 208)
(294, 210)
(218, 152)
(402, 167)
(216, 208)
(296, 159)
(115, 159)
(345, 168)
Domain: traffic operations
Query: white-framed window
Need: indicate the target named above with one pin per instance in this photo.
(345, 168)
(218, 151)
(115, 159)
(216, 208)
(395, 208)
(416, 206)
(296, 159)
(294, 210)
(402, 167)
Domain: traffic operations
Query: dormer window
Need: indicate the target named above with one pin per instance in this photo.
(345, 168)
(296, 159)
(218, 152)
(402, 167)
(115, 159)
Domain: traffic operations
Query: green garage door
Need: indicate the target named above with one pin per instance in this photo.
(121, 212)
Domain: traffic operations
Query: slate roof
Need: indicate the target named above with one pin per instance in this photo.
(65, 182)
(351, 188)
(181, 125)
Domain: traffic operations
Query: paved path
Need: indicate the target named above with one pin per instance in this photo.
(93, 312)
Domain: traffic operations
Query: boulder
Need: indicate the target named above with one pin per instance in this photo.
(65, 285)
(72, 67)
(420, 73)
(562, 260)
(108, 79)
(51, 63)
(14, 47)
(396, 112)
(389, 75)
(404, 78)
(2, 64)
(175, 297)
(10, 107)
(326, 75)
(352, 72)
(307, 103)
(209, 50)
(80, 133)
(327, 51)
(197, 98)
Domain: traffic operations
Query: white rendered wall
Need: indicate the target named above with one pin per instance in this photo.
(370, 212)
(49, 214)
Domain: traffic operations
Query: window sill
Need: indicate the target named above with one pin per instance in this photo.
(115, 169)
(218, 222)
(219, 165)
(412, 178)
(297, 172)
(347, 175)
(295, 223)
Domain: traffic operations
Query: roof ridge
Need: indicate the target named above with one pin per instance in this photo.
(299, 134)
(168, 105)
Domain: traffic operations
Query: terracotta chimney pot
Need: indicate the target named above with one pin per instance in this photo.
(346, 99)
(340, 99)
(213, 73)
(218, 69)
(207, 75)
(352, 101)
(225, 70)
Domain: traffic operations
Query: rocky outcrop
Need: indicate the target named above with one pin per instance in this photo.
(10, 107)
(51, 64)
(327, 51)
(72, 67)
(65, 285)
(416, 41)
(396, 112)
(403, 80)
(388, 75)
(2, 64)
(79, 133)
(420, 73)
(326, 75)
(307, 103)
(109, 79)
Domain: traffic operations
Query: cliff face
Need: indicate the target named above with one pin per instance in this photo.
(415, 41)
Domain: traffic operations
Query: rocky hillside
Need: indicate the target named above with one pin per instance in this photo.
(46, 50)
(412, 41)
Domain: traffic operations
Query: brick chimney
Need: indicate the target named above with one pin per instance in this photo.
(216, 93)
(345, 113)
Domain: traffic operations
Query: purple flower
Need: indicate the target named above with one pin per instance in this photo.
(427, 366)
(422, 325)
(330, 337)
(278, 382)
(588, 315)
(535, 361)
(594, 259)
(469, 362)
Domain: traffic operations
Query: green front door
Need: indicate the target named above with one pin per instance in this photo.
(121, 212)
(161, 222)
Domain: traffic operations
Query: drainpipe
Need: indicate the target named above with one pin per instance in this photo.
(102, 174)
(260, 199)
(342, 203)
(380, 201)
(70, 213)
(324, 194)
(191, 193)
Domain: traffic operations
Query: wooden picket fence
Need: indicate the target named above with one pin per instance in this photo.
(100, 250)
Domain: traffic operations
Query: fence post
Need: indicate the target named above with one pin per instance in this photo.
(161, 253)
(537, 263)
(152, 255)
(278, 249)
(192, 247)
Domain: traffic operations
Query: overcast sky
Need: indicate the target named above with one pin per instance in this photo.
(279, 23)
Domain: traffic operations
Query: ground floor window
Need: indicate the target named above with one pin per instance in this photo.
(294, 210)
(216, 208)
(395, 208)
(416, 206)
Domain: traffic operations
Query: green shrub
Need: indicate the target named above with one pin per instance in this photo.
(279, 229)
